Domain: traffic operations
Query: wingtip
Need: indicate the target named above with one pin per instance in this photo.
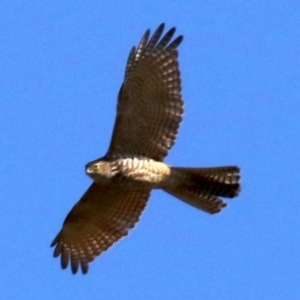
(161, 26)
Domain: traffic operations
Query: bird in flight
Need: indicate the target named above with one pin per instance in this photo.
(149, 112)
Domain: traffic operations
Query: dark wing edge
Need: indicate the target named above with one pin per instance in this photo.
(150, 45)
(101, 217)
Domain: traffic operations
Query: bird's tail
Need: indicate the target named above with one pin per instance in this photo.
(201, 187)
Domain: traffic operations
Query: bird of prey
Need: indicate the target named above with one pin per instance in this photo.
(149, 111)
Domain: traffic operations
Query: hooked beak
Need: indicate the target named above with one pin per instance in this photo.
(89, 169)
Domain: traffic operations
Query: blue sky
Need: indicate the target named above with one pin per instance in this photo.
(61, 66)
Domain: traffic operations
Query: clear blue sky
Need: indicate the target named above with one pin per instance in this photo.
(61, 66)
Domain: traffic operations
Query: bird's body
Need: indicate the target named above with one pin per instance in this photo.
(149, 112)
(136, 172)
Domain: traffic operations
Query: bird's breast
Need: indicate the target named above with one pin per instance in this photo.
(143, 171)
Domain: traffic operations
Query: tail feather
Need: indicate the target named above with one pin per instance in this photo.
(201, 187)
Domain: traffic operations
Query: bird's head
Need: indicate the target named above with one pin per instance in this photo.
(100, 169)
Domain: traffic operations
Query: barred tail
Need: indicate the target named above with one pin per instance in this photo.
(201, 187)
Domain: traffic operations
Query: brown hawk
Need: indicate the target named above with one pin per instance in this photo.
(149, 112)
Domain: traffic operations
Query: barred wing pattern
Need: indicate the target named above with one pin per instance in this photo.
(150, 105)
(101, 217)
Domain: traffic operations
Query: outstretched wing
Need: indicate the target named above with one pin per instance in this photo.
(150, 105)
(101, 217)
